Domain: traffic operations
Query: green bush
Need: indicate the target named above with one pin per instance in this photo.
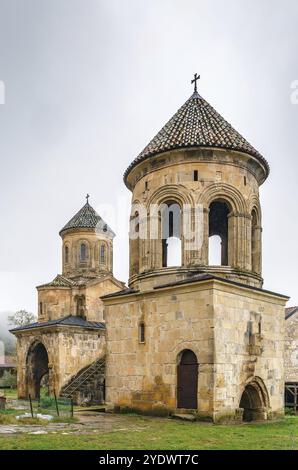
(8, 380)
(290, 412)
(47, 402)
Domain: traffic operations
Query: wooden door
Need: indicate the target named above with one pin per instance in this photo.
(187, 381)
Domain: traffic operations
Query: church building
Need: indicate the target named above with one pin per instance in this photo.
(69, 336)
(190, 333)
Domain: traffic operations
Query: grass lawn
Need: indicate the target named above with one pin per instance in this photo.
(9, 392)
(156, 434)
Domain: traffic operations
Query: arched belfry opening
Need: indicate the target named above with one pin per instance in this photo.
(37, 366)
(254, 242)
(187, 380)
(171, 234)
(218, 233)
(254, 401)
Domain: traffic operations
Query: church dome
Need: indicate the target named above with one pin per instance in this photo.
(197, 124)
(87, 218)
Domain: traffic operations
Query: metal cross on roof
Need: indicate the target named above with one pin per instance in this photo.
(195, 79)
(87, 197)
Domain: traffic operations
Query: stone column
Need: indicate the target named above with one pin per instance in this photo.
(155, 242)
(256, 249)
(203, 253)
(232, 240)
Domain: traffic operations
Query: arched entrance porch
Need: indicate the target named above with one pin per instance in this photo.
(37, 368)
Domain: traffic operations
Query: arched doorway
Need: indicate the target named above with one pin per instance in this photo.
(187, 380)
(37, 369)
(254, 401)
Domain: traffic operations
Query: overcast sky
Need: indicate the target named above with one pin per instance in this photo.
(89, 82)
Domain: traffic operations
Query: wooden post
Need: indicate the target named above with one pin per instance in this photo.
(56, 402)
(31, 407)
(71, 405)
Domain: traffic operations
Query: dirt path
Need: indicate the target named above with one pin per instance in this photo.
(88, 421)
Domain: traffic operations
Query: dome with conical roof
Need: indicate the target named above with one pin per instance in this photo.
(87, 218)
(197, 124)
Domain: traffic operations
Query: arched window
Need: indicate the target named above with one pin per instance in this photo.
(80, 307)
(102, 253)
(136, 222)
(66, 254)
(171, 234)
(142, 336)
(218, 225)
(83, 252)
(254, 242)
(40, 308)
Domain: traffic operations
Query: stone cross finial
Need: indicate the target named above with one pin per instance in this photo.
(87, 197)
(194, 80)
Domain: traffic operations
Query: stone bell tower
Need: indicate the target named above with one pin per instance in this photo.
(191, 333)
(209, 175)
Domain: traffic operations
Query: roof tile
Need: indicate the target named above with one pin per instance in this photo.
(196, 124)
(87, 217)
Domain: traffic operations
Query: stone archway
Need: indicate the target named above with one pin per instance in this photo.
(37, 367)
(187, 380)
(254, 401)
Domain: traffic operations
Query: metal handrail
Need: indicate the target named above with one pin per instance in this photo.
(78, 379)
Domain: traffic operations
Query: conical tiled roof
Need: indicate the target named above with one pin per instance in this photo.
(87, 217)
(197, 124)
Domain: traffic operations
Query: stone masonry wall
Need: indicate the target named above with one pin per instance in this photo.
(291, 349)
(213, 323)
(143, 376)
(249, 332)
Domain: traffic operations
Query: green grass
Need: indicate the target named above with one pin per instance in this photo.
(9, 392)
(168, 434)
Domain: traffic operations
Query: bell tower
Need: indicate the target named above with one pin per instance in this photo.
(198, 179)
(195, 330)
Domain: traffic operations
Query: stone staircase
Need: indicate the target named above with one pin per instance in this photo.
(87, 387)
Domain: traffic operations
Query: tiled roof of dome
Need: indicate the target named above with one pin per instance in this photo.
(87, 217)
(196, 124)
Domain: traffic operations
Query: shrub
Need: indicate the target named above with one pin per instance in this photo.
(290, 412)
(8, 380)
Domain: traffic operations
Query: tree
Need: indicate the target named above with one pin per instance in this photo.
(21, 318)
(9, 379)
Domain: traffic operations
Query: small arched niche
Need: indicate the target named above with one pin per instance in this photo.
(218, 233)
(254, 400)
(170, 214)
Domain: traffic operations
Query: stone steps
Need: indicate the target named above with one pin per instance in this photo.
(184, 416)
(87, 386)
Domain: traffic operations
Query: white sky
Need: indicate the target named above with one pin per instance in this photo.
(88, 84)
